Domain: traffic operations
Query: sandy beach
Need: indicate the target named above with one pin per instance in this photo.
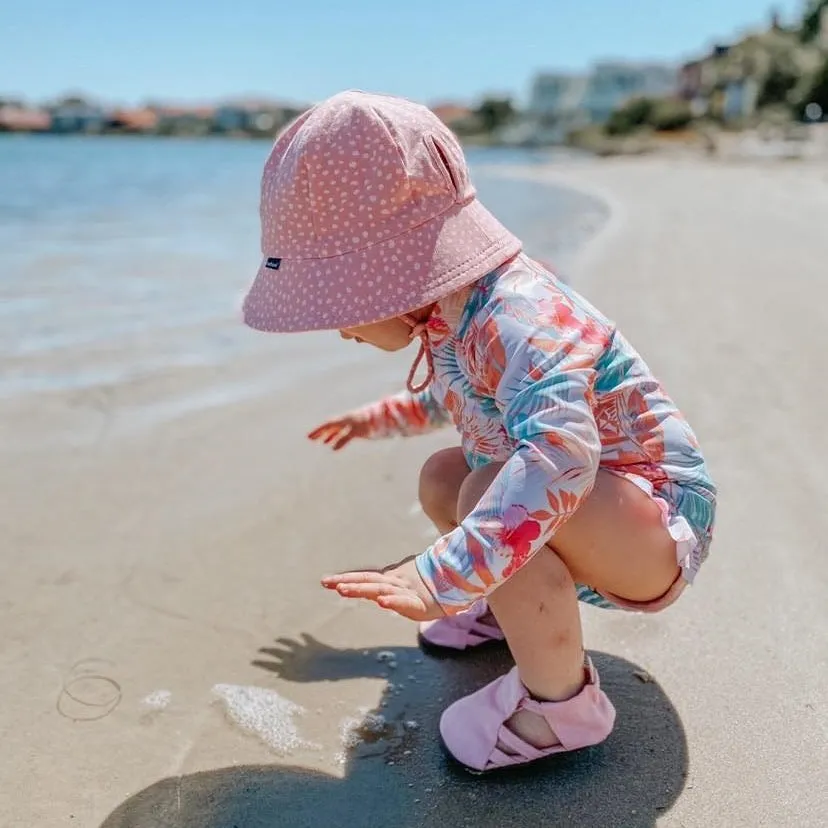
(162, 621)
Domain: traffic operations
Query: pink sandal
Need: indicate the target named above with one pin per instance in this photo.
(475, 734)
(469, 628)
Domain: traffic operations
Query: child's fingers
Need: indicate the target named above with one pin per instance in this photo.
(388, 592)
(342, 441)
(356, 577)
(331, 432)
(321, 430)
(335, 433)
(370, 591)
(362, 577)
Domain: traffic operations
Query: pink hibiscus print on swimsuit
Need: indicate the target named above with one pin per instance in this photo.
(516, 537)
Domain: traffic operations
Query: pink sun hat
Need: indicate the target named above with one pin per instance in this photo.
(367, 212)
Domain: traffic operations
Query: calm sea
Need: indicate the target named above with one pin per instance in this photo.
(121, 255)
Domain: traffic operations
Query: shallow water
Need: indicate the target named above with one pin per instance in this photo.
(123, 258)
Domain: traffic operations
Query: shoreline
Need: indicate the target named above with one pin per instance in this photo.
(70, 377)
(587, 254)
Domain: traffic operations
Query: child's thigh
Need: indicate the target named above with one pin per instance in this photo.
(616, 542)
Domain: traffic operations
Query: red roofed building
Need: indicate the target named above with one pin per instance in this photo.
(459, 118)
(22, 119)
(133, 120)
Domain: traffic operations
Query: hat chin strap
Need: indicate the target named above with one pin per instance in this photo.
(418, 329)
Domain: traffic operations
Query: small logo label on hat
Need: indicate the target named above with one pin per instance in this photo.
(273, 264)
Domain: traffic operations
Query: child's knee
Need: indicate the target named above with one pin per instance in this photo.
(441, 478)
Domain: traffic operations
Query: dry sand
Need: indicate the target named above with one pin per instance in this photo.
(160, 584)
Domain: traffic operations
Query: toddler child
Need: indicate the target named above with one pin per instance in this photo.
(576, 477)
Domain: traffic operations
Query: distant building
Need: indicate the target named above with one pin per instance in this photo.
(449, 113)
(612, 84)
(562, 102)
(133, 120)
(690, 80)
(556, 106)
(456, 117)
(697, 81)
(77, 116)
(556, 93)
(254, 116)
(183, 120)
(740, 98)
(22, 119)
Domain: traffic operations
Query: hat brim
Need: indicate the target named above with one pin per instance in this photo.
(412, 270)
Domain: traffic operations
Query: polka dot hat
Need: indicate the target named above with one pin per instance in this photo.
(367, 212)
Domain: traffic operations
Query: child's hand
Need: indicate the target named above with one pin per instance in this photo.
(397, 588)
(339, 432)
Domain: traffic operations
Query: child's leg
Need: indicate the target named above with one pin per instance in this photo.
(615, 541)
(537, 609)
(543, 590)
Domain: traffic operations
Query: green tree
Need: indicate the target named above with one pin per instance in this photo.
(494, 113)
(670, 114)
(660, 114)
(777, 86)
(818, 93)
(633, 115)
(812, 20)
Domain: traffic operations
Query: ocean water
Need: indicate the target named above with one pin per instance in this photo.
(127, 256)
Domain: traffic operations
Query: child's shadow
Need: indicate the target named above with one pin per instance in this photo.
(402, 778)
(307, 659)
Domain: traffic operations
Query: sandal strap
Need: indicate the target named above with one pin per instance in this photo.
(478, 632)
(515, 747)
(568, 719)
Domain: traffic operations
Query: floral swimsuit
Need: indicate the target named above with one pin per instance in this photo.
(534, 377)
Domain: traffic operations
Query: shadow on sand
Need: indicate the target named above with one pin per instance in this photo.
(401, 778)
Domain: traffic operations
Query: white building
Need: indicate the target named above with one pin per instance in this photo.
(554, 93)
(565, 101)
(556, 105)
(611, 84)
(740, 99)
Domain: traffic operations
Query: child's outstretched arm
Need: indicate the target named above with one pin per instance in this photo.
(400, 415)
(538, 364)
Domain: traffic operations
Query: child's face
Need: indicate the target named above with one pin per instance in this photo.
(388, 335)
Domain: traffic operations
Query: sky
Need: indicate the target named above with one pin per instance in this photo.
(129, 51)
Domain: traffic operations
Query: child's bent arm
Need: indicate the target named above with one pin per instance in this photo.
(403, 415)
(541, 378)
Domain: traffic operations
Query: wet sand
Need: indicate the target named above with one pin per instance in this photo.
(145, 567)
